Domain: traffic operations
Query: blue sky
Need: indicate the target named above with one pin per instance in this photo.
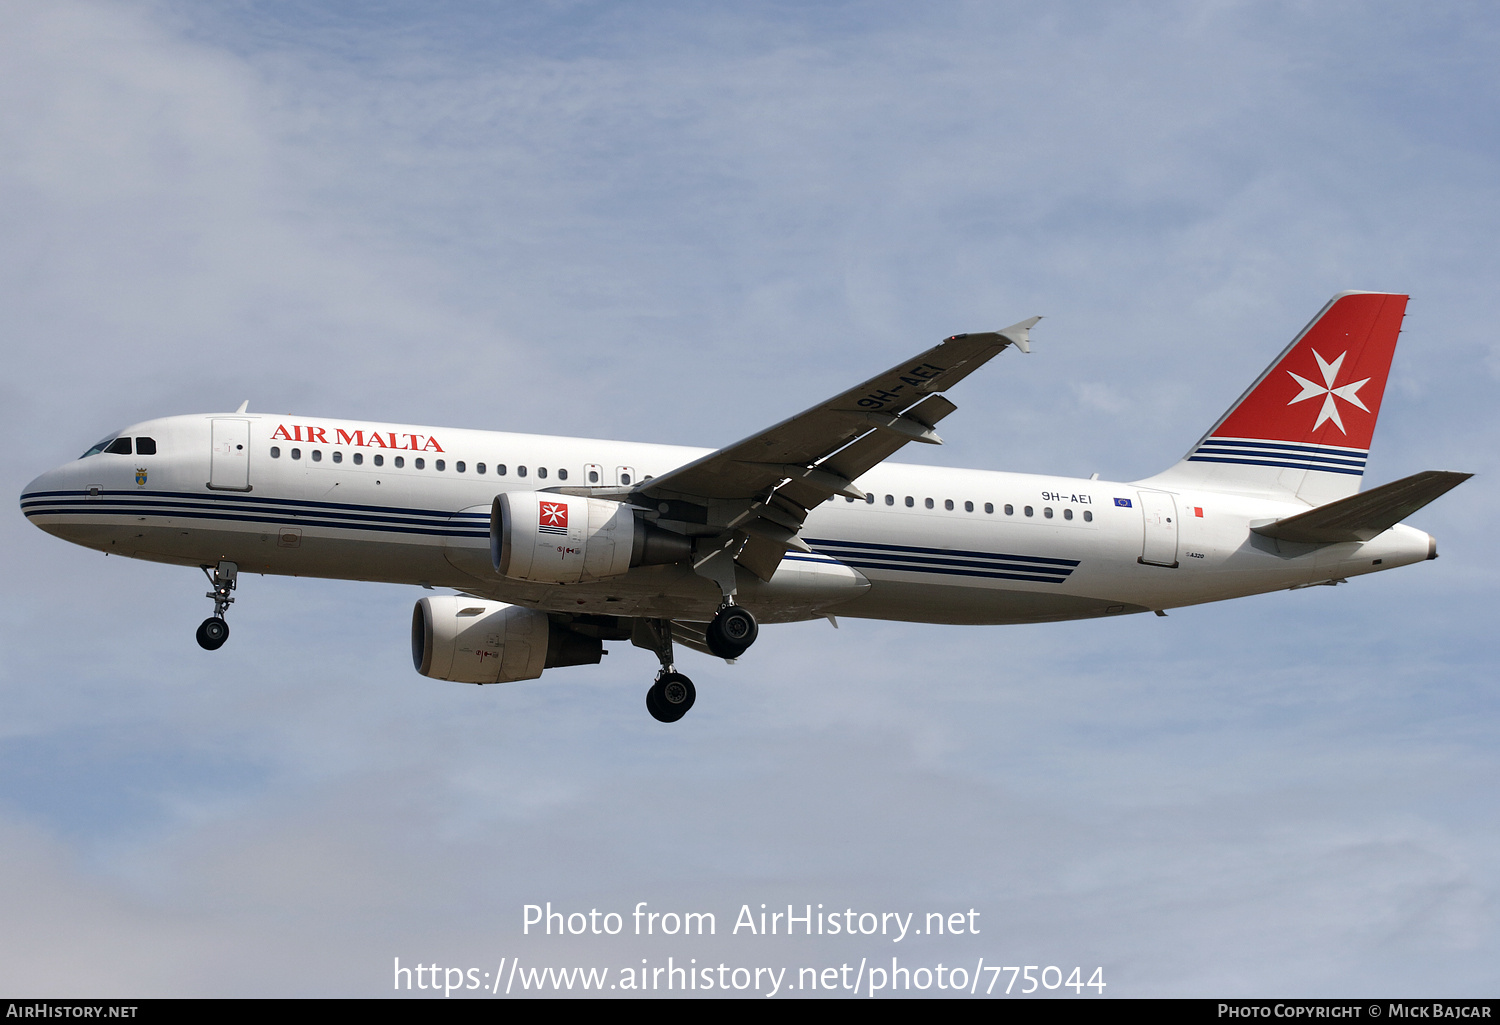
(670, 223)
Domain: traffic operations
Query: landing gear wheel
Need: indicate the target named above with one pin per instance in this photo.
(732, 631)
(212, 633)
(670, 697)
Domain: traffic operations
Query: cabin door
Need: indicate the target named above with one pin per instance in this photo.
(229, 462)
(1159, 547)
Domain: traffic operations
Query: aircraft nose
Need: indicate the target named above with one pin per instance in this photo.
(33, 490)
(37, 499)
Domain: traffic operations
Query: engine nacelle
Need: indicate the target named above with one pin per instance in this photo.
(471, 640)
(567, 539)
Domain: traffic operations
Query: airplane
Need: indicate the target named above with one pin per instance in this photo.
(554, 546)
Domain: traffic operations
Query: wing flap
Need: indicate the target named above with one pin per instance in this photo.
(761, 555)
(691, 635)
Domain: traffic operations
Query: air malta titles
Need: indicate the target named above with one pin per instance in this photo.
(355, 439)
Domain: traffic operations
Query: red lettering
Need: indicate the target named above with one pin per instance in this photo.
(374, 439)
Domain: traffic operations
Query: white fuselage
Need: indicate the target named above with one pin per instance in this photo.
(935, 545)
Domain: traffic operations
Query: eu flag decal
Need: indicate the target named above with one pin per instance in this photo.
(1123, 503)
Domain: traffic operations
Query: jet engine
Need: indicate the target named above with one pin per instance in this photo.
(567, 539)
(470, 640)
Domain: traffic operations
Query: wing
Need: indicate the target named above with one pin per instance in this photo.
(747, 502)
(891, 403)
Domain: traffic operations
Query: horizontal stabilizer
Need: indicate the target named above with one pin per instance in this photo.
(1367, 514)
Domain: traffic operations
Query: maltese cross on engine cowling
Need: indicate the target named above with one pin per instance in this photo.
(552, 518)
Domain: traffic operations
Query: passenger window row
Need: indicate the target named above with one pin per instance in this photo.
(418, 462)
(989, 507)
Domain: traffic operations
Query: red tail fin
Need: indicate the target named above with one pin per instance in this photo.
(1305, 425)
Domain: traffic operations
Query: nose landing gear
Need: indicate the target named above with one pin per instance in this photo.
(213, 631)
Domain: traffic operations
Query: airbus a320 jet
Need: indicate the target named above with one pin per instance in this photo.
(555, 546)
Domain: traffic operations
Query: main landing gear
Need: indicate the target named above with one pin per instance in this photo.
(213, 631)
(672, 694)
(731, 632)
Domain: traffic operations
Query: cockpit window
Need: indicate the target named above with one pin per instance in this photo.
(98, 447)
(118, 446)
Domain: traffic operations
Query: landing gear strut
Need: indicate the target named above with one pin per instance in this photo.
(732, 631)
(672, 694)
(213, 631)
